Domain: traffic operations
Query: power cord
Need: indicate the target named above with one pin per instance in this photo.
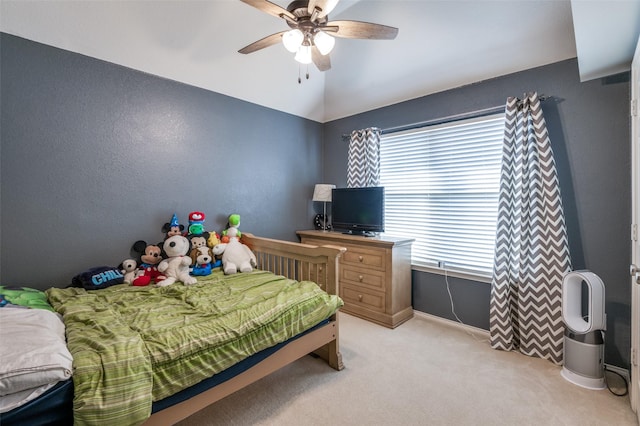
(453, 310)
(604, 367)
(624, 380)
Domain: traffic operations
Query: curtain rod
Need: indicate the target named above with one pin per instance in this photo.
(441, 120)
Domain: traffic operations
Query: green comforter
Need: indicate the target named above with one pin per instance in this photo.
(135, 345)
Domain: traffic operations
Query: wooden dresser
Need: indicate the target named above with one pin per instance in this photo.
(375, 275)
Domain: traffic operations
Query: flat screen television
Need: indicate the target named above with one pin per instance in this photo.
(358, 210)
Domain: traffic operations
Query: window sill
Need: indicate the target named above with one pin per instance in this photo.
(453, 273)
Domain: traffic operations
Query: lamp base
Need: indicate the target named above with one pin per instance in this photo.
(320, 223)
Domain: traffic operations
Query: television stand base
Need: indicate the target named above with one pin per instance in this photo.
(361, 234)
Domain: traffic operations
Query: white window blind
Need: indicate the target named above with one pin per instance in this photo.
(441, 188)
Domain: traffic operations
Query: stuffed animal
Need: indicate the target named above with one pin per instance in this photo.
(176, 266)
(213, 240)
(235, 256)
(129, 269)
(150, 257)
(197, 241)
(201, 255)
(196, 223)
(204, 261)
(172, 228)
(232, 230)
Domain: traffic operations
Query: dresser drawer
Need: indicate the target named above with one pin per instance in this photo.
(361, 297)
(374, 277)
(355, 255)
(369, 258)
(362, 277)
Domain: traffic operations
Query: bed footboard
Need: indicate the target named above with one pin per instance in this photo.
(292, 260)
(288, 354)
(303, 262)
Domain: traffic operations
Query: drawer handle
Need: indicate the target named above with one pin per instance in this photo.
(360, 278)
(320, 269)
(360, 259)
(360, 298)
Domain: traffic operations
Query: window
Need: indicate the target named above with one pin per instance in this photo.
(441, 188)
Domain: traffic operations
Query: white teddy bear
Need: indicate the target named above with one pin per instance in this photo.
(176, 267)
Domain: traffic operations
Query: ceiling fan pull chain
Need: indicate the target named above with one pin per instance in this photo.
(307, 72)
(299, 79)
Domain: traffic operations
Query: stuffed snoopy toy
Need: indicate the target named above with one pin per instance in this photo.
(176, 266)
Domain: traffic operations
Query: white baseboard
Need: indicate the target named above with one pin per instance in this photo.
(469, 328)
(484, 333)
(622, 371)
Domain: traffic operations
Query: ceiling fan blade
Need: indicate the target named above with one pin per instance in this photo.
(270, 8)
(262, 43)
(321, 61)
(363, 30)
(324, 7)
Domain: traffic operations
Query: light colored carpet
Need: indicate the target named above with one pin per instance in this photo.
(424, 372)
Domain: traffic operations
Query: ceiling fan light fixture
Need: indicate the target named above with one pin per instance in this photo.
(292, 40)
(324, 42)
(310, 36)
(304, 54)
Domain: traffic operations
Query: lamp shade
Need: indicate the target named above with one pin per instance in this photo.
(322, 192)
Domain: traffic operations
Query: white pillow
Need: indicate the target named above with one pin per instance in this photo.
(33, 350)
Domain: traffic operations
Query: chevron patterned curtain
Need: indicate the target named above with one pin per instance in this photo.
(532, 251)
(363, 167)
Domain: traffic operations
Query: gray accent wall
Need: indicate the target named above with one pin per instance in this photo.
(588, 126)
(96, 156)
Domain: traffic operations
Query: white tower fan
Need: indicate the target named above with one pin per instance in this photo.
(584, 334)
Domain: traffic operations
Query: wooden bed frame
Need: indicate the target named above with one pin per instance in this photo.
(296, 261)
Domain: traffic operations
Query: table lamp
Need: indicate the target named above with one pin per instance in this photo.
(322, 193)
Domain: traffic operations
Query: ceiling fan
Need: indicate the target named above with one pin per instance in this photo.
(311, 36)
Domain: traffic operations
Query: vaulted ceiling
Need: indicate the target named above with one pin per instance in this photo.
(440, 45)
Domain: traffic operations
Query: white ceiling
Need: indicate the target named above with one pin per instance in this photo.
(441, 45)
